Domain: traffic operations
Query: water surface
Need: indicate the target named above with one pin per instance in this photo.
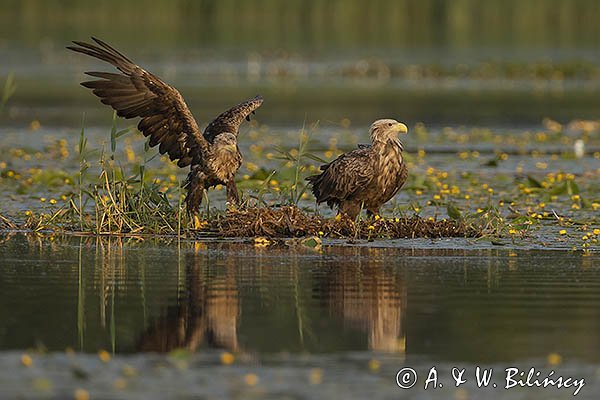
(286, 312)
(450, 304)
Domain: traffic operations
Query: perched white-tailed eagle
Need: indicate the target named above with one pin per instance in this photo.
(367, 177)
(213, 157)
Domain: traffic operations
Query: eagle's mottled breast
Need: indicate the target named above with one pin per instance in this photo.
(389, 165)
(225, 157)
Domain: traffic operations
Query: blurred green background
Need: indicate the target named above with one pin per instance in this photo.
(439, 61)
(310, 25)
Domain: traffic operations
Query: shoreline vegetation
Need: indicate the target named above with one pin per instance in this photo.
(114, 204)
(118, 204)
(285, 222)
(108, 195)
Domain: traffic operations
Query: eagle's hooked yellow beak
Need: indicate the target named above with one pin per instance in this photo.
(230, 147)
(401, 128)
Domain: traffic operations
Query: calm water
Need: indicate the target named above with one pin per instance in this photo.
(293, 309)
(445, 304)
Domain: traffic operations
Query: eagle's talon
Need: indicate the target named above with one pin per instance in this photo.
(199, 223)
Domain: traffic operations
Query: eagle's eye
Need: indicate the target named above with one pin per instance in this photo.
(389, 124)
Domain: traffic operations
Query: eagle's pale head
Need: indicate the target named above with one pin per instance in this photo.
(383, 130)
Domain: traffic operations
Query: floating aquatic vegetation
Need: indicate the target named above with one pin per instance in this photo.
(6, 223)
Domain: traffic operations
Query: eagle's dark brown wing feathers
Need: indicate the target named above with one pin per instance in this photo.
(136, 92)
(106, 52)
(342, 177)
(230, 120)
(111, 49)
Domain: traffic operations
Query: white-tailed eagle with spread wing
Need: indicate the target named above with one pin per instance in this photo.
(213, 157)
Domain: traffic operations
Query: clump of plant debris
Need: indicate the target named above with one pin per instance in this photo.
(6, 223)
(290, 221)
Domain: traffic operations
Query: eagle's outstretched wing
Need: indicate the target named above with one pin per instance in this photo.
(230, 120)
(136, 92)
(344, 177)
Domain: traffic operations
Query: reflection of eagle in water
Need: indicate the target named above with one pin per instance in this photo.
(366, 177)
(214, 157)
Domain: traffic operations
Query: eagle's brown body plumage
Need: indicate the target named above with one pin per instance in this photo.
(213, 157)
(367, 177)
